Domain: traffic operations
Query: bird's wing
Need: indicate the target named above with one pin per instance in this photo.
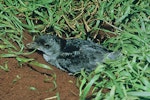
(73, 62)
(86, 57)
(74, 45)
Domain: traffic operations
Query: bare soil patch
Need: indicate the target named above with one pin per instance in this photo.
(33, 83)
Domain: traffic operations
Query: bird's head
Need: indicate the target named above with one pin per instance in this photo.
(48, 44)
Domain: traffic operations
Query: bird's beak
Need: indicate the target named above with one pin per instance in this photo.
(32, 45)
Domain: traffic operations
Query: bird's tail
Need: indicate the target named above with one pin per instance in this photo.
(114, 55)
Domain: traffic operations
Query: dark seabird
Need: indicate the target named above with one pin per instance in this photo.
(71, 55)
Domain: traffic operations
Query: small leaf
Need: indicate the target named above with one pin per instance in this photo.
(141, 94)
(40, 65)
(148, 58)
(8, 55)
(24, 60)
(32, 88)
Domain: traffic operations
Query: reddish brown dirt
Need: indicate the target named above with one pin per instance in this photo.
(17, 83)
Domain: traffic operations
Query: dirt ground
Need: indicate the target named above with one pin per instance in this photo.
(33, 83)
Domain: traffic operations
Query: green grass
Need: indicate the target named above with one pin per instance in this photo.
(4, 67)
(127, 78)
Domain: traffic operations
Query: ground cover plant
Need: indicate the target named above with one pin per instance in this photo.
(116, 24)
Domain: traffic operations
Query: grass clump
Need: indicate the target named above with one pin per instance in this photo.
(116, 24)
(127, 78)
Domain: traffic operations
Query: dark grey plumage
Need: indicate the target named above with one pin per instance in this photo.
(71, 55)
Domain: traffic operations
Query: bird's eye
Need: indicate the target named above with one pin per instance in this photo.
(47, 45)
